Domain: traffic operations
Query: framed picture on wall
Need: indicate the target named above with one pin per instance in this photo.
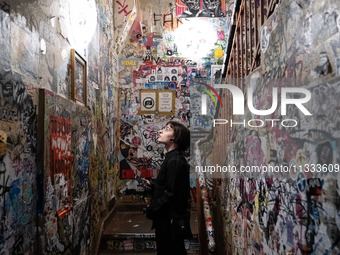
(78, 78)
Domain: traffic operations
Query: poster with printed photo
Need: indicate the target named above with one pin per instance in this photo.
(216, 74)
(148, 101)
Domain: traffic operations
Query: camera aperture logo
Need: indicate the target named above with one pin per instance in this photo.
(238, 105)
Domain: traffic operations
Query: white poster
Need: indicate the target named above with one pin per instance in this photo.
(165, 101)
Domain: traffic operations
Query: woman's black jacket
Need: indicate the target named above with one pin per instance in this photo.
(171, 190)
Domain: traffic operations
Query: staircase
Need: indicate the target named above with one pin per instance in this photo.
(128, 231)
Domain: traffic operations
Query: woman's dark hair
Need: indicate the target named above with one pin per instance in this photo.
(181, 135)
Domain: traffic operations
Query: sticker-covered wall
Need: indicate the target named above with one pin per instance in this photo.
(166, 62)
(294, 211)
(61, 177)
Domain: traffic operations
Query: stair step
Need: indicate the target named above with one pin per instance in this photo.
(129, 232)
(126, 244)
(127, 252)
(129, 246)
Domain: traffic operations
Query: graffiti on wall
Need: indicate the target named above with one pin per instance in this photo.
(293, 212)
(18, 195)
(32, 46)
(272, 214)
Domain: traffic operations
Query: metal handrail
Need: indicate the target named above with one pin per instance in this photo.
(244, 54)
(242, 57)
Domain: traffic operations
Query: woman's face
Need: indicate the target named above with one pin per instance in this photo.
(166, 135)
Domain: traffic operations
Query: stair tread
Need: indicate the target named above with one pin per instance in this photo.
(107, 252)
(130, 229)
(134, 223)
(129, 223)
(127, 252)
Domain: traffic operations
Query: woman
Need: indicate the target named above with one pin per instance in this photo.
(171, 191)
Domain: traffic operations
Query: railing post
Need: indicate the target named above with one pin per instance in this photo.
(246, 35)
(255, 28)
(262, 11)
(250, 36)
(241, 39)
